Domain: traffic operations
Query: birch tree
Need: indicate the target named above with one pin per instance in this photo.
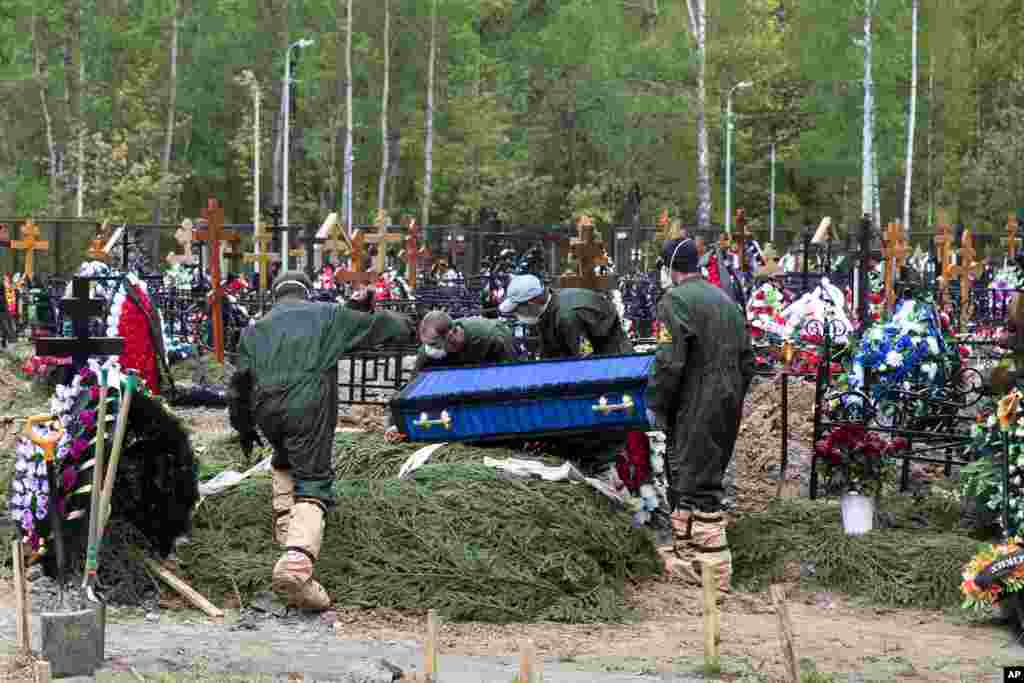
(40, 71)
(911, 116)
(868, 159)
(428, 149)
(697, 12)
(348, 117)
(384, 151)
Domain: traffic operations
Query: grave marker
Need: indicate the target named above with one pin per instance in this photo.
(213, 235)
(943, 250)
(412, 253)
(895, 254)
(262, 240)
(80, 307)
(967, 266)
(382, 239)
(30, 244)
(356, 275)
(742, 237)
(1011, 240)
(589, 254)
(96, 251)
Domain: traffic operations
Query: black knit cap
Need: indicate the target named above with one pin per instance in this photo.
(681, 255)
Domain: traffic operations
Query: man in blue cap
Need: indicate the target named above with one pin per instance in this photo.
(695, 392)
(570, 321)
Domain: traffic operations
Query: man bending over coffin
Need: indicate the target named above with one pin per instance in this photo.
(467, 341)
(572, 322)
(569, 320)
(695, 391)
(287, 385)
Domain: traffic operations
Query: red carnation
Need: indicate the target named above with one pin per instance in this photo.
(759, 296)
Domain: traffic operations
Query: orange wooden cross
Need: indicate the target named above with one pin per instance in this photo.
(213, 235)
(943, 252)
(1011, 240)
(356, 275)
(589, 254)
(30, 243)
(895, 254)
(263, 238)
(337, 242)
(381, 238)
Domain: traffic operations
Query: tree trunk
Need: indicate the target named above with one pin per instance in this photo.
(165, 157)
(347, 161)
(384, 153)
(867, 175)
(41, 70)
(931, 133)
(72, 84)
(116, 63)
(428, 148)
(911, 119)
(395, 165)
(697, 11)
(281, 32)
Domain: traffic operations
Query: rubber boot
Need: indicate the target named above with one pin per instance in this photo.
(282, 500)
(293, 573)
(711, 546)
(678, 557)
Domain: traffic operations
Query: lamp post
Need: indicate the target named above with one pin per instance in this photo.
(728, 153)
(305, 42)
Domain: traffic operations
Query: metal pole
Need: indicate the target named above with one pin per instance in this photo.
(771, 232)
(256, 171)
(287, 107)
(728, 163)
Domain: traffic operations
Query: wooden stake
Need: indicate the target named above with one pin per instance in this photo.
(22, 608)
(778, 594)
(527, 664)
(42, 672)
(430, 654)
(709, 582)
(185, 590)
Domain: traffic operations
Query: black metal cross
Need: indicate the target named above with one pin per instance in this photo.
(310, 240)
(80, 346)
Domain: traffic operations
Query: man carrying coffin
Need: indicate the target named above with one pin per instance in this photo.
(702, 371)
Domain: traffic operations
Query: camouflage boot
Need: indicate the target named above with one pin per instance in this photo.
(710, 545)
(281, 501)
(678, 557)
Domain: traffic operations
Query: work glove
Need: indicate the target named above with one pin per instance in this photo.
(248, 440)
(392, 435)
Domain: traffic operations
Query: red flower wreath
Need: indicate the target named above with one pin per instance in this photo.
(139, 354)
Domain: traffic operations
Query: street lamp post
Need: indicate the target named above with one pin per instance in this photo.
(305, 42)
(728, 153)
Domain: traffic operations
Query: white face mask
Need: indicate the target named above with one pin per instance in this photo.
(666, 278)
(434, 352)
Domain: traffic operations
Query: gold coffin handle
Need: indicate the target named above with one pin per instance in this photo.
(445, 420)
(605, 408)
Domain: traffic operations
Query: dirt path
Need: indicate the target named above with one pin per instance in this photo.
(879, 644)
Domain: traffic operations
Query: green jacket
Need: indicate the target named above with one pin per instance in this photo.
(575, 315)
(487, 341)
(287, 376)
(702, 371)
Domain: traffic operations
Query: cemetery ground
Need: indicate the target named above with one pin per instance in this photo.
(835, 634)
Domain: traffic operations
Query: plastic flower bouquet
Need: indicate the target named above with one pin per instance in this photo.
(764, 313)
(996, 571)
(854, 458)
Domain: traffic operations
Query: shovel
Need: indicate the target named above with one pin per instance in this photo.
(128, 384)
(48, 442)
(92, 554)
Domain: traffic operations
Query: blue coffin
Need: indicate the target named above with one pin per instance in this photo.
(530, 399)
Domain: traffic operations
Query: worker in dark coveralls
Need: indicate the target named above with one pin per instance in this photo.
(466, 341)
(572, 323)
(695, 391)
(286, 383)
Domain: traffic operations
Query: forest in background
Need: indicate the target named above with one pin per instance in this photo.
(540, 109)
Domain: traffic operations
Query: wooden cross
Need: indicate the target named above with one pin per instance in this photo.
(1011, 240)
(183, 236)
(895, 254)
(30, 243)
(96, 251)
(589, 254)
(412, 253)
(742, 237)
(943, 249)
(356, 275)
(213, 235)
(381, 239)
(964, 269)
(263, 240)
(80, 307)
(337, 242)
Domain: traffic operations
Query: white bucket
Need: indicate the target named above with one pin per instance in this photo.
(858, 513)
